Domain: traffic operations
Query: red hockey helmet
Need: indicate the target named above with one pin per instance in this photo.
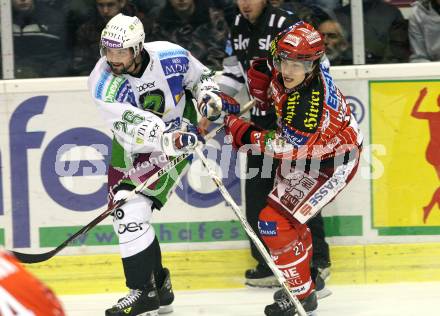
(301, 42)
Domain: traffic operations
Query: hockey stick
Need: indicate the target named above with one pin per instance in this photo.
(250, 232)
(40, 257)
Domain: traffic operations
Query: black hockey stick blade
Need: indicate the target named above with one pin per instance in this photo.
(40, 257)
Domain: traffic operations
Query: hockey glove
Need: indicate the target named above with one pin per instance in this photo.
(258, 79)
(237, 128)
(213, 102)
(178, 142)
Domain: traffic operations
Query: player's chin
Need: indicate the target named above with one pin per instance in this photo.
(118, 70)
(290, 83)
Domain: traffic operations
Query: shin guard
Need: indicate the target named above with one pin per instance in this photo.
(290, 245)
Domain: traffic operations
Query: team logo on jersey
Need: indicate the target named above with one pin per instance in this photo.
(292, 104)
(330, 88)
(294, 138)
(119, 213)
(241, 43)
(267, 228)
(326, 122)
(131, 227)
(101, 83)
(117, 87)
(311, 120)
(178, 96)
(145, 86)
(297, 185)
(153, 101)
(331, 186)
(174, 69)
(303, 112)
(175, 66)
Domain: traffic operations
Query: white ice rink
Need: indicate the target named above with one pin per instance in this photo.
(404, 299)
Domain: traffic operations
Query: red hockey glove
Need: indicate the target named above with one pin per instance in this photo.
(258, 78)
(236, 127)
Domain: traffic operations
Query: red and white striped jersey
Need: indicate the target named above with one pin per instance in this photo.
(314, 121)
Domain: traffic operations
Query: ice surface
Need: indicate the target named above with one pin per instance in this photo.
(403, 299)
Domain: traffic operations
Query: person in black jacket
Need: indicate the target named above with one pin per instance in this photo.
(197, 25)
(40, 45)
(250, 36)
(386, 34)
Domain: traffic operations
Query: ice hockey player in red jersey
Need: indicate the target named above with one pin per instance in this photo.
(21, 294)
(318, 142)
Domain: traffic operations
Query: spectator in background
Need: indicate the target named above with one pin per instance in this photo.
(329, 6)
(56, 4)
(88, 35)
(77, 12)
(385, 32)
(196, 25)
(40, 48)
(336, 45)
(310, 13)
(150, 8)
(229, 9)
(424, 31)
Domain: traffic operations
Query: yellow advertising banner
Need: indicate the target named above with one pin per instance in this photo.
(405, 119)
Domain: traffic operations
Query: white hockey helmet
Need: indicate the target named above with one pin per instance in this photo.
(123, 31)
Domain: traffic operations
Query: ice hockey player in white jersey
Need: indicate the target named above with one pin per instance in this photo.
(145, 92)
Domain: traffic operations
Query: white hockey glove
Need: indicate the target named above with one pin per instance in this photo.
(121, 195)
(178, 142)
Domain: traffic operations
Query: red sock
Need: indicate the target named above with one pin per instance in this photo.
(290, 245)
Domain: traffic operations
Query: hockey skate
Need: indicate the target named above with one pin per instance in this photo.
(260, 277)
(284, 307)
(322, 275)
(136, 303)
(166, 295)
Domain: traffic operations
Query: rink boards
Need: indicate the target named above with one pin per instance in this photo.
(53, 152)
(222, 269)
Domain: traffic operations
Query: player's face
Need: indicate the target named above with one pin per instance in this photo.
(293, 72)
(251, 9)
(121, 60)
